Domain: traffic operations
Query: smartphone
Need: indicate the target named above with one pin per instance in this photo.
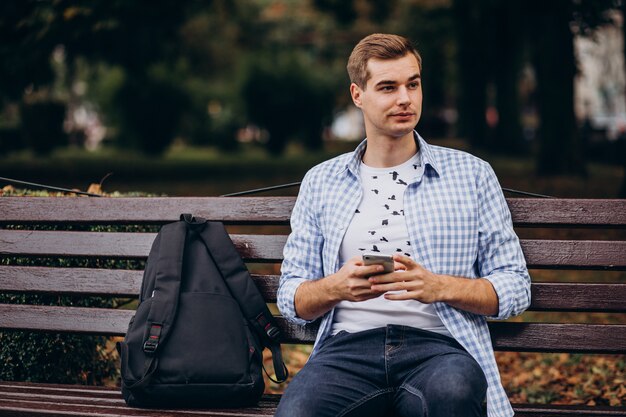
(385, 260)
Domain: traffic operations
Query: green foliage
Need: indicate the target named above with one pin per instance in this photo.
(55, 358)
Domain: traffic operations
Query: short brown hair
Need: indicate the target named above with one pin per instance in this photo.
(381, 46)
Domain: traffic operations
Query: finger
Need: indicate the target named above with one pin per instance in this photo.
(401, 296)
(404, 260)
(356, 260)
(367, 271)
(397, 266)
(393, 286)
(387, 278)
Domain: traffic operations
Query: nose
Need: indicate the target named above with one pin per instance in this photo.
(403, 96)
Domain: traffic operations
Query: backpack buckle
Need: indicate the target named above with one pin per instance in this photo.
(270, 330)
(273, 333)
(151, 344)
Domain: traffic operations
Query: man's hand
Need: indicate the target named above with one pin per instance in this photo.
(417, 283)
(315, 298)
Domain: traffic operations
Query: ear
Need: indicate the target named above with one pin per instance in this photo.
(356, 92)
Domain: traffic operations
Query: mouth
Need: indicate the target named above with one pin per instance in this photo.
(403, 115)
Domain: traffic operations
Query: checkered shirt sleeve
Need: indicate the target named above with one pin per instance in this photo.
(302, 252)
(500, 259)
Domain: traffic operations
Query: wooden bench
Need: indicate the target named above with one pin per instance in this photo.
(557, 234)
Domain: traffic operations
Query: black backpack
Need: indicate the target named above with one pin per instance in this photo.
(197, 337)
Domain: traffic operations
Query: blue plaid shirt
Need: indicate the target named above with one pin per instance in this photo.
(458, 222)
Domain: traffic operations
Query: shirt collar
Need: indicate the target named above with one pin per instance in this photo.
(426, 156)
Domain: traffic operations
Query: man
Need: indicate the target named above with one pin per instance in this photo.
(413, 342)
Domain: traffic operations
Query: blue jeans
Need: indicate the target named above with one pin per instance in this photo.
(394, 370)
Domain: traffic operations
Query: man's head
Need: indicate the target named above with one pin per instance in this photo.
(379, 46)
(386, 86)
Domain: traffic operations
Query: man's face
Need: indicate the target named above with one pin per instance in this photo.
(392, 99)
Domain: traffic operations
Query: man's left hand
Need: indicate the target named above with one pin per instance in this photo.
(416, 282)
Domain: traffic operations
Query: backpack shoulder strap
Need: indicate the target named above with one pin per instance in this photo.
(245, 292)
(167, 284)
(164, 297)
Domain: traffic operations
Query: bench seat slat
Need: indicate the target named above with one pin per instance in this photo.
(585, 254)
(541, 410)
(277, 210)
(56, 407)
(553, 296)
(267, 406)
(507, 336)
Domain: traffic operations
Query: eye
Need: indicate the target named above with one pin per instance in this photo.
(414, 84)
(387, 88)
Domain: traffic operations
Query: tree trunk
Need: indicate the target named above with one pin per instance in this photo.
(560, 147)
(507, 67)
(472, 71)
(622, 139)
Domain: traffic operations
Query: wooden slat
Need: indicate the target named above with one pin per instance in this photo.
(28, 399)
(93, 281)
(153, 210)
(70, 281)
(548, 337)
(577, 254)
(102, 321)
(261, 248)
(590, 297)
(276, 210)
(546, 296)
(568, 212)
(506, 335)
(62, 407)
(542, 410)
(43, 399)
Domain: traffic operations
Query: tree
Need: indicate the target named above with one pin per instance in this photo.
(472, 69)
(506, 65)
(560, 147)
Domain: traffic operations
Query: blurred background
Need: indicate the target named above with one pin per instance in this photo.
(210, 97)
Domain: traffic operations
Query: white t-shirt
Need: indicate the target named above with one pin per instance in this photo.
(378, 226)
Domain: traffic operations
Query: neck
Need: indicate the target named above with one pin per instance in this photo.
(389, 152)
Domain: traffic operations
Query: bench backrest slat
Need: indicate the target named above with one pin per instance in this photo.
(598, 297)
(565, 212)
(258, 248)
(506, 336)
(241, 210)
(274, 210)
(583, 254)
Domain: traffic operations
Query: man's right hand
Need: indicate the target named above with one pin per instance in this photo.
(316, 297)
